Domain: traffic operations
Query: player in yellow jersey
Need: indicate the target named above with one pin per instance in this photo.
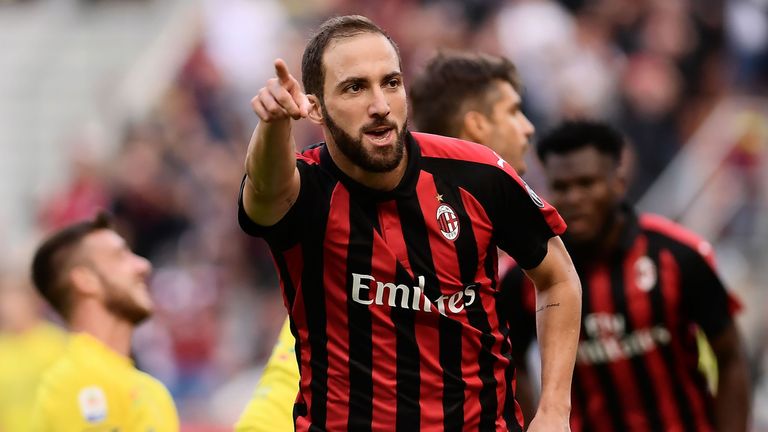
(93, 280)
(271, 406)
(28, 346)
(474, 97)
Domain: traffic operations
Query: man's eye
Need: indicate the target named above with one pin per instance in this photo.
(354, 88)
(393, 83)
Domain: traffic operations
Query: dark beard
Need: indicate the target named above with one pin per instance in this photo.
(354, 151)
(122, 305)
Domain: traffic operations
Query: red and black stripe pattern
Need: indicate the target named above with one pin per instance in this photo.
(637, 364)
(392, 295)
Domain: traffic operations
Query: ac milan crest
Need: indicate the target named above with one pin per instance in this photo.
(448, 222)
(646, 274)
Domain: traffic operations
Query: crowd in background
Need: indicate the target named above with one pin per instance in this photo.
(655, 68)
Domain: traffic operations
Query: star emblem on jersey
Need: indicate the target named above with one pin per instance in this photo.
(439, 197)
(448, 222)
(499, 162)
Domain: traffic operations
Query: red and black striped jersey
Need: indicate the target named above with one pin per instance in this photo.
(637, 362)
(392, 295)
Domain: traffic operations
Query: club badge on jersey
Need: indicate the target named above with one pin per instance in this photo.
(93, 404)
(448, 221)
(645, 273)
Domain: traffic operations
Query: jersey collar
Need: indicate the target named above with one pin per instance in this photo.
(406, 187)
(631, 228)
(87, 347)
(627, 237)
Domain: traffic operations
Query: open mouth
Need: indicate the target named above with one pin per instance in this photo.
(379, 134)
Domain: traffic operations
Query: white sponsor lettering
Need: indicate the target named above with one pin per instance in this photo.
(357, 286)
(393, 290)
(606, 339)
(410, 297)
(602, 325)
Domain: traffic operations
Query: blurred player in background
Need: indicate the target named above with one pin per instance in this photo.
(475, 97)
(648, 284)
(28, 346)
(99, 286)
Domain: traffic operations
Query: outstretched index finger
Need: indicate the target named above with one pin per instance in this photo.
(289, 83)
(281, 70)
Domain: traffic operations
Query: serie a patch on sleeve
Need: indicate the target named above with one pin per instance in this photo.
(93, 404)
(536, 200)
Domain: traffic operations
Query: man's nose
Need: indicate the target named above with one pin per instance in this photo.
(379, 106)
(573, 196)
(529, 128)
(144, 266)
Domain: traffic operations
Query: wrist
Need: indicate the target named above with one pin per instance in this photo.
(559, 407)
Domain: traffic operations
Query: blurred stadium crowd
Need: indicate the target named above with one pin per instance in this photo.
(655, 68)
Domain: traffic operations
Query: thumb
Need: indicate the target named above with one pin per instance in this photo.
(304, 104)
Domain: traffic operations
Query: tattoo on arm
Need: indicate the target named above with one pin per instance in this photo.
(551, 305)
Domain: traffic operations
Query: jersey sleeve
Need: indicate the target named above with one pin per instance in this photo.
(165, 418)
(271, 407)
(704, 295)
(288, 230)
(523, 221)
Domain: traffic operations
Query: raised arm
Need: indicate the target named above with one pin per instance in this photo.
(558, 316)
(732, 401)
(272, 182)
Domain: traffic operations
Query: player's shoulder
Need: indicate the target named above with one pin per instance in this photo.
(63, 374)
(441, 147)
(64, 389)
(151, 383)
(310, 155)
(466, 163)
(673, 232)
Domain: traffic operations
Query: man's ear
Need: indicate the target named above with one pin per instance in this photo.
(474, 127)
(84, 280)
(315, 110)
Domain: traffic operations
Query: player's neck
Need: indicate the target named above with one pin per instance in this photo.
(604, 244)
(612, 234)
(378, 181)
(114, 332)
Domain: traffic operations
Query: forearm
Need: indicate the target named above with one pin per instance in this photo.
(732, 401)
(557, 320)
(270, 162)
(525, 393)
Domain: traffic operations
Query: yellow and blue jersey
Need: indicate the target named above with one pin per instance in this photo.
(24, 357)
(271, 407)
(93, 388)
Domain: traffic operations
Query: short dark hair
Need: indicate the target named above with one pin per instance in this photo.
(453, 83)
(575, 135)
(52, 260)
(312, 71)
